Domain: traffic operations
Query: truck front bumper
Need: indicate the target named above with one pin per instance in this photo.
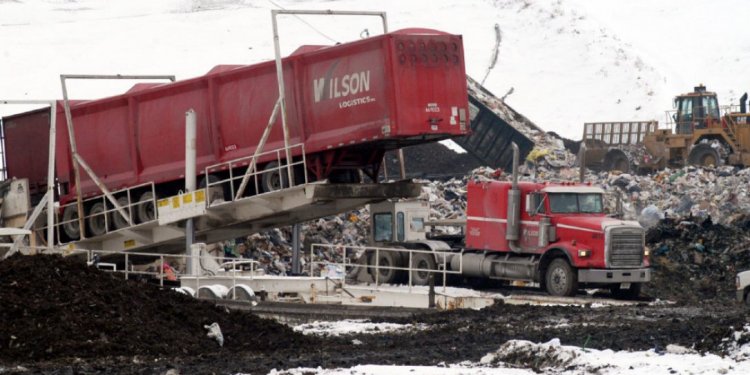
(612, 276)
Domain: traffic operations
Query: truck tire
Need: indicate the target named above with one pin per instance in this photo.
(116, 219)
(616, 160)
(385, 261)
(146, 210)
(273, 178)
(219, 192)
(560, 278)
(96, 220)
(70, 225)
(633, 292)
(704, 155)
(419, 262)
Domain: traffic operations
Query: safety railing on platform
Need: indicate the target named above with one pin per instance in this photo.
(123, 263)
(348, 261)
(101, 217)
(253, 181)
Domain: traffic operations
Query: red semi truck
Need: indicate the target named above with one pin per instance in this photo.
(345, 104)
(557, 235)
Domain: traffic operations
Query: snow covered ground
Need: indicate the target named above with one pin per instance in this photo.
(524, 357)
(568, 61)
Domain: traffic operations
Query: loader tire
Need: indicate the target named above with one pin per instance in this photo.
(560, 278)
(617, 161)
(704, 155)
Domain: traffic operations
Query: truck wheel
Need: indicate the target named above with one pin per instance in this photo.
(385, 262)
(70, 222)
(116, 219)
(630, 293)
(146, 210)
(216, 192)
(96, 220)
(419, 262)
(273, 178)
(703, 155)
(560, 279)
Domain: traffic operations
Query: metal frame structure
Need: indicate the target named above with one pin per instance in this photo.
(280, 72)
(77, 159)
(49, 197)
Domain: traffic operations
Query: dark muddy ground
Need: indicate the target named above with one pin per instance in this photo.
(58, 316)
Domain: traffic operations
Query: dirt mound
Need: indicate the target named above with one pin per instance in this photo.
(696, 260)
(55, 308)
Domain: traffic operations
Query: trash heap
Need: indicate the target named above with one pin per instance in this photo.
(696, 260)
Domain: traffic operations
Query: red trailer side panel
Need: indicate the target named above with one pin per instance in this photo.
(27, 147)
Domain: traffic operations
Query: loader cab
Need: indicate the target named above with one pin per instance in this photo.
(398, 222)
(696, 110)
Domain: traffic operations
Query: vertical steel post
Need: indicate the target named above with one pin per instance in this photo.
(51, 176)
(295, 250)
(190, 180)
(74, 153)
(282, 98)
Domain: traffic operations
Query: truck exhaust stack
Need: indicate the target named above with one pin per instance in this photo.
(514, 207)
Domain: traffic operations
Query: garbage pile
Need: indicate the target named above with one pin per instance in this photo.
(696, 259)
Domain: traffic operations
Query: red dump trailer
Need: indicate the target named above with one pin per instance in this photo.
(346, 105)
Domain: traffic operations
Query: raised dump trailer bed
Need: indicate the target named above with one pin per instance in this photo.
(491, 131)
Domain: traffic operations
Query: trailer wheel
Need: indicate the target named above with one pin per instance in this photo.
(420, 262)
(96, 221)
(70, 222)
(216, 192)
(704, 155)
(385, 262)
(560, 279)
(146, 210)
(274, 178)
(630, 293)
(116, 219)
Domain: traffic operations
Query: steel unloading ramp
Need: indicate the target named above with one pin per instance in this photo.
(232, 219)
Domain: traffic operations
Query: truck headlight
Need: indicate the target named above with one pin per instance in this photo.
(583, 253)
(646, 251)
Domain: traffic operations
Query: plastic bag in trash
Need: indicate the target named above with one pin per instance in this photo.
(650, 216)
(214, 332)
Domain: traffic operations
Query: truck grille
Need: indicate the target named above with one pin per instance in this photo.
(626, 247)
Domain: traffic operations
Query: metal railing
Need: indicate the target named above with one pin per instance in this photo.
(107, 216)
(228, 266)
(278, 156)
(346, 263)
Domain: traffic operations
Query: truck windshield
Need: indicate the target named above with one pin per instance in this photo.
(566, 203)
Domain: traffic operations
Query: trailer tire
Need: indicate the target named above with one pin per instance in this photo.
(273, 178)
(561, 279)
(627, 294)
(384, 272)
(96, 221)
(116, 219)
(70, 225)
(704, 155)
(419, 262)
(146, 210)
